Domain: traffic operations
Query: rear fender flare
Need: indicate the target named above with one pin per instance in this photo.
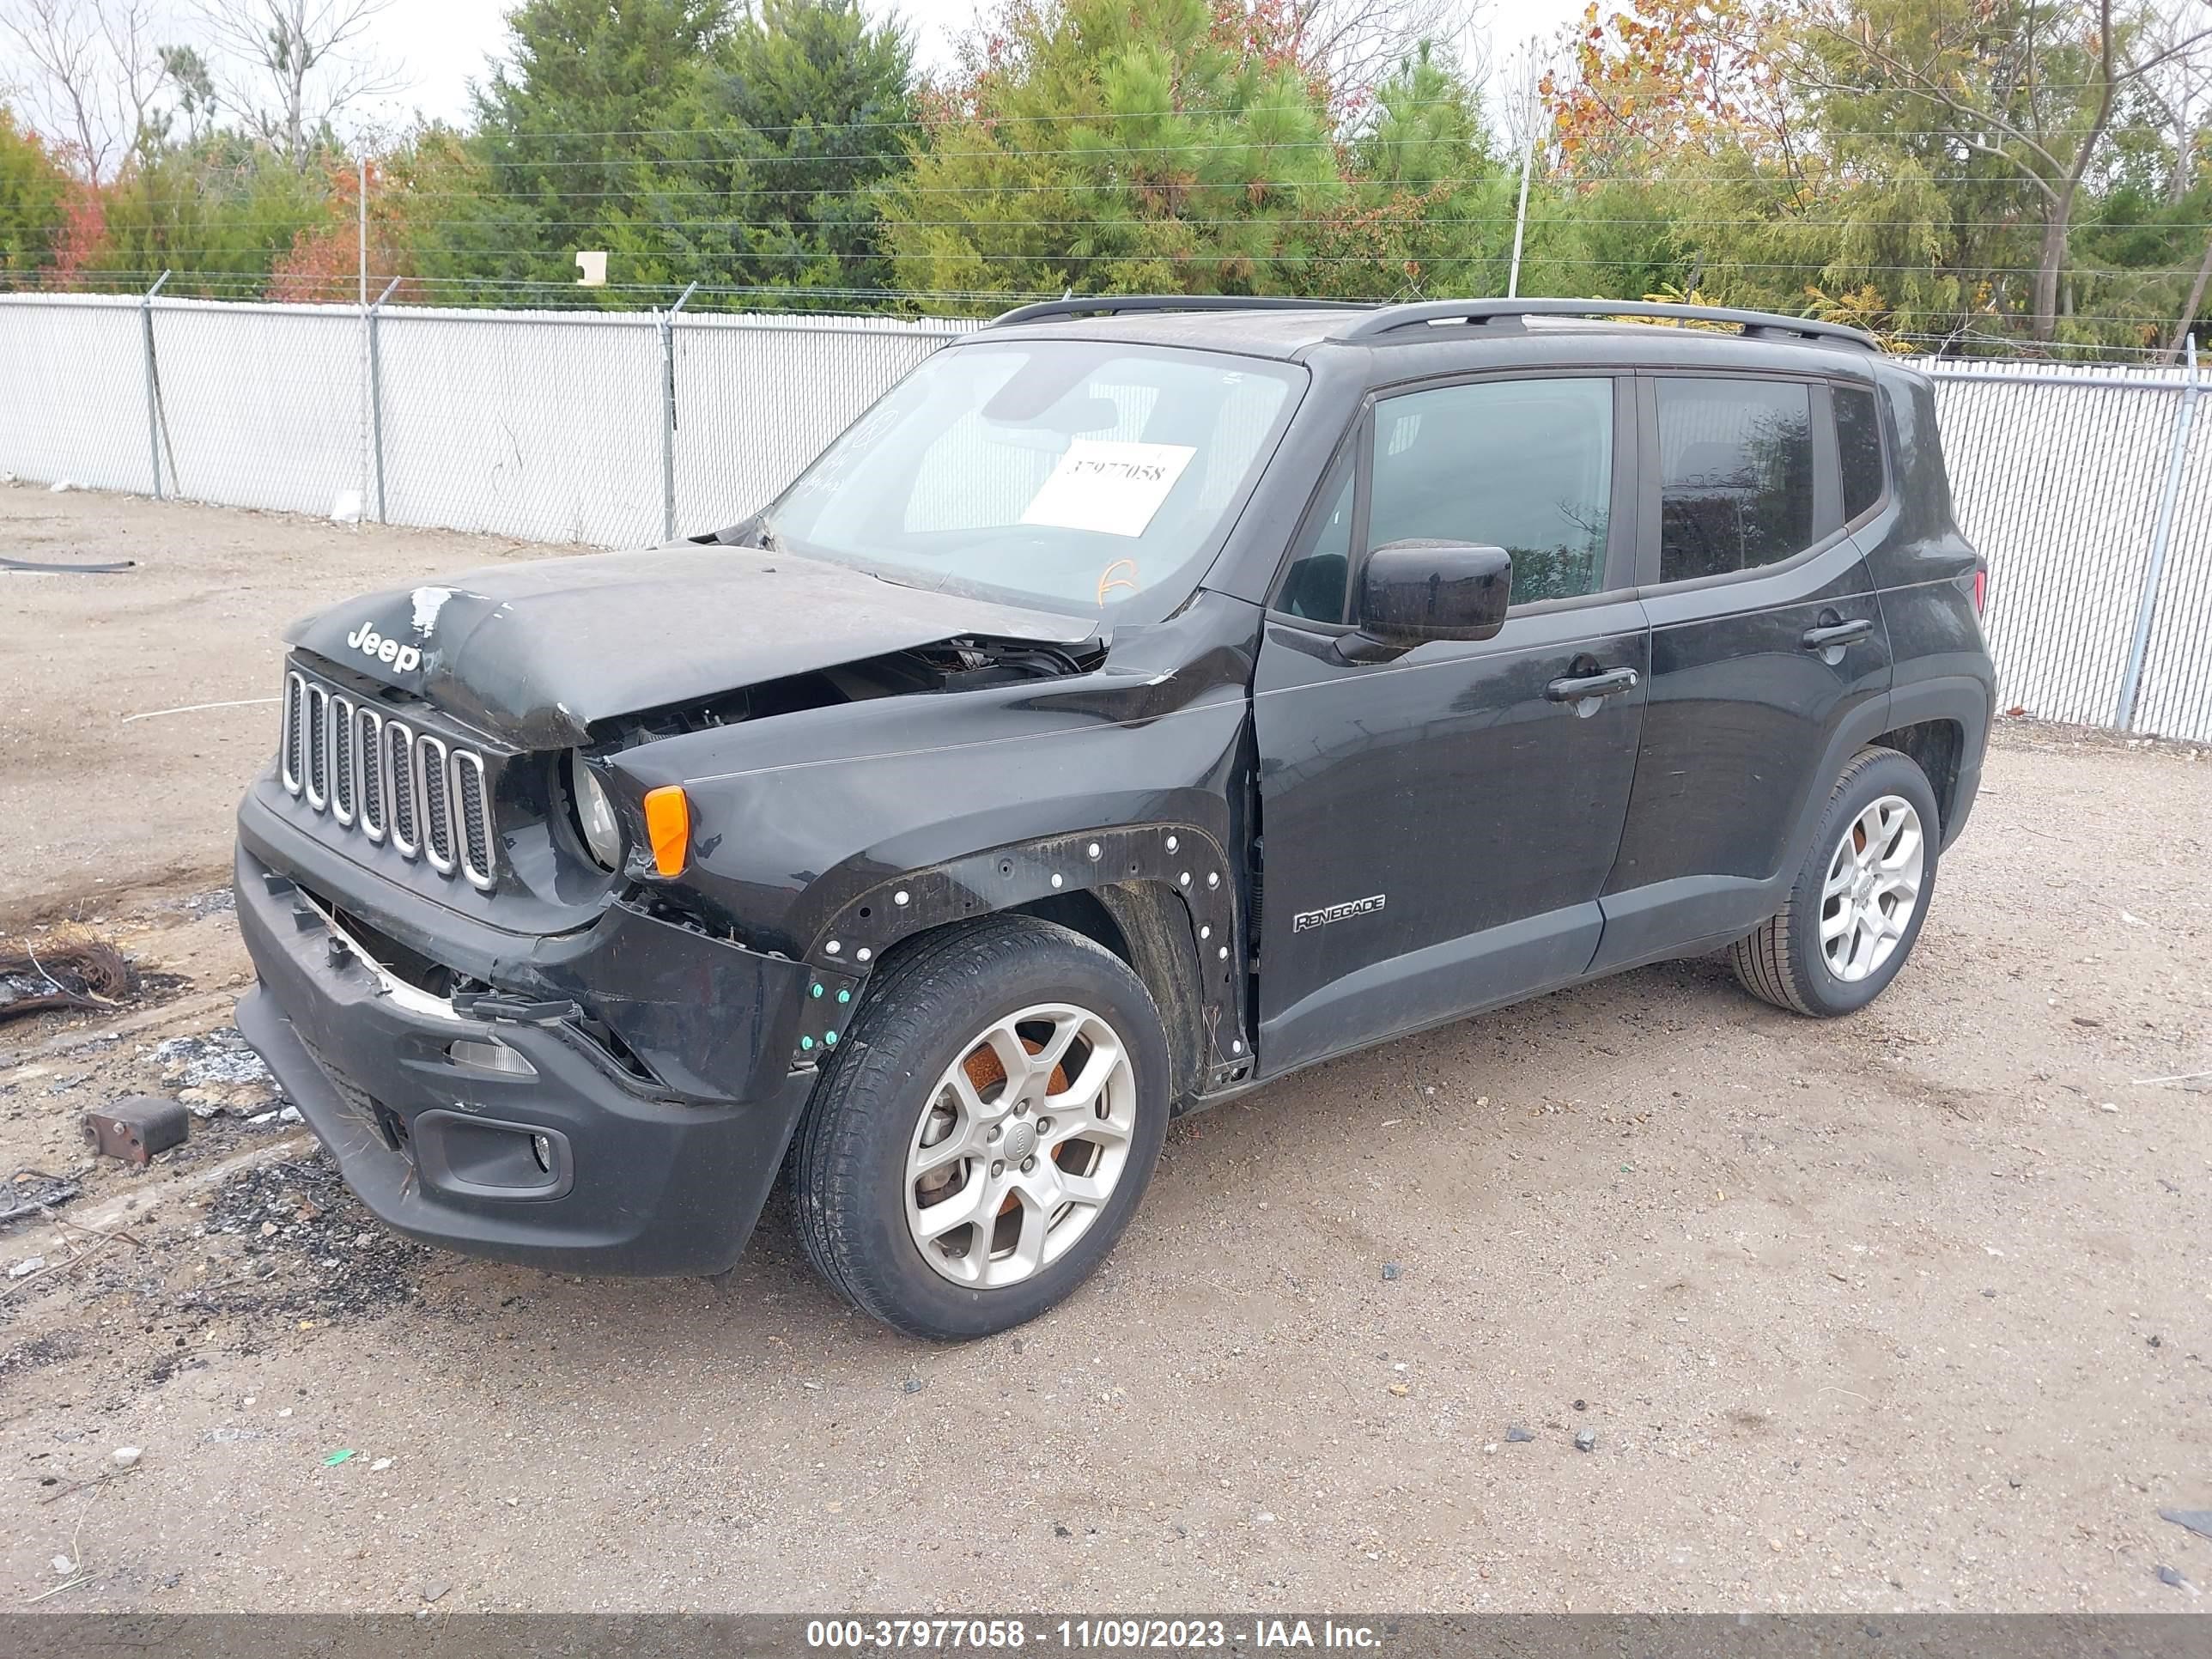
(1861, 727)
(1961, 699)
(1971, 705)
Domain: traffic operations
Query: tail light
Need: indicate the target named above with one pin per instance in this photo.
(1981, 588)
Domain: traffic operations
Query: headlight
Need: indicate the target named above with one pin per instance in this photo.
(595, 814)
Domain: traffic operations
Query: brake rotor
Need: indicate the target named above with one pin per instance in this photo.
(984, 1068)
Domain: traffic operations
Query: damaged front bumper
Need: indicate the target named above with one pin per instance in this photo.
(512, 1130)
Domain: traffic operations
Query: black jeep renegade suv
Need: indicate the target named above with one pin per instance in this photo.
(1144, 700)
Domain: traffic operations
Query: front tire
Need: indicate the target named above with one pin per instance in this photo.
(986, 1131)
(1856, 906)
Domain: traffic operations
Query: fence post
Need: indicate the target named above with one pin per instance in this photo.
(2177, 460)
(153, 382)
(668, 416)
(376, 392)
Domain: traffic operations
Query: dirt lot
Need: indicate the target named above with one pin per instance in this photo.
(144, 797)
(1909, 1311)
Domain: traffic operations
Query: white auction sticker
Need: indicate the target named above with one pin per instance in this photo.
(1106, 485)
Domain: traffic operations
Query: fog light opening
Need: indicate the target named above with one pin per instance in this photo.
(541, 1148)
(490, 1055)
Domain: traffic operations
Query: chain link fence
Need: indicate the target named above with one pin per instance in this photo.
(2089, 488)
(606, 428)
(2089, 491)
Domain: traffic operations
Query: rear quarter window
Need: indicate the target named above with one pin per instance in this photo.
(1858, 448)
(1923, 490)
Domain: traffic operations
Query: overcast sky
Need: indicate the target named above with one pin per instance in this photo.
(443, 44)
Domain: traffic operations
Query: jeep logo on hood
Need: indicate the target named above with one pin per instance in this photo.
(366, 640)
(534, 652)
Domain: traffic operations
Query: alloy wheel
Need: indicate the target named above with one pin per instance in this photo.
(1872, 889)
(1020, 1144)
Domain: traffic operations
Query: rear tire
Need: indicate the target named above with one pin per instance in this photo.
(1856, 909)
(986, 1130)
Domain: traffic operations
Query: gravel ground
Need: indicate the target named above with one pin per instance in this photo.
(1910, 1310)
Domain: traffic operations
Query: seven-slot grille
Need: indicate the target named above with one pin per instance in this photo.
(375, 773)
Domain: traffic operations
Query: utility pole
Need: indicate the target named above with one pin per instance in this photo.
(1527, 163)
(361, 241)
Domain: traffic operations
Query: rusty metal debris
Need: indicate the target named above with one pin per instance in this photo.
(70, 973)
(134, 1129)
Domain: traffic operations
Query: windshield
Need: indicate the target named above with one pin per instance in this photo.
(1070, 474)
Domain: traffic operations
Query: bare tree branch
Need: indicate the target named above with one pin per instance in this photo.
(294, 66)
(128, 28)
(1506, 92)
(1357, 43)
(90, 74)
(2179, 80)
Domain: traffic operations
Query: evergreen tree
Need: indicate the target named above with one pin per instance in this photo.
(768, 179)
(1123, 146)
(1427, 211)
(564, 130)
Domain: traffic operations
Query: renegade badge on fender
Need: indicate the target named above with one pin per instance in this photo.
(1148, 698)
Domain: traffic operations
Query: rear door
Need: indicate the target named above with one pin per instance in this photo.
(1437, 828)
(1766, 634)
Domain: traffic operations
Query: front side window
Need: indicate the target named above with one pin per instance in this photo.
(1073, 474)
(1526, 465)
(1735, 475)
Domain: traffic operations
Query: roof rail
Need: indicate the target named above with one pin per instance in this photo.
(1387, 319)
(1110, 304)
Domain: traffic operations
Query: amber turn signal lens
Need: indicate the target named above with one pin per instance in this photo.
(668, 825)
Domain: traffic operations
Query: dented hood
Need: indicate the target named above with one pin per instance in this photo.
(536, 651)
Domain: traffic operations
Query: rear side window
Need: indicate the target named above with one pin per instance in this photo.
(1858, 447)
(1735, 475)
(1526, 465)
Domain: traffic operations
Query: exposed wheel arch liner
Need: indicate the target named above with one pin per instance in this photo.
(1169, 887)
(1163, 947)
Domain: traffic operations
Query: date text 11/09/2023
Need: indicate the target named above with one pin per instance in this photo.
(1124, 1635)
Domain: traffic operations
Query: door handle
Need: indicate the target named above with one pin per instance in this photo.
(1610, 684)
(1836, 634)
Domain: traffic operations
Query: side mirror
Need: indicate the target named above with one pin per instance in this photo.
(1414, 592)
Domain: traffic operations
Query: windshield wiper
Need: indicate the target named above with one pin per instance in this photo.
(740, 534)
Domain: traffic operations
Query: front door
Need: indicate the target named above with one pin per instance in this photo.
(1435, 828)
